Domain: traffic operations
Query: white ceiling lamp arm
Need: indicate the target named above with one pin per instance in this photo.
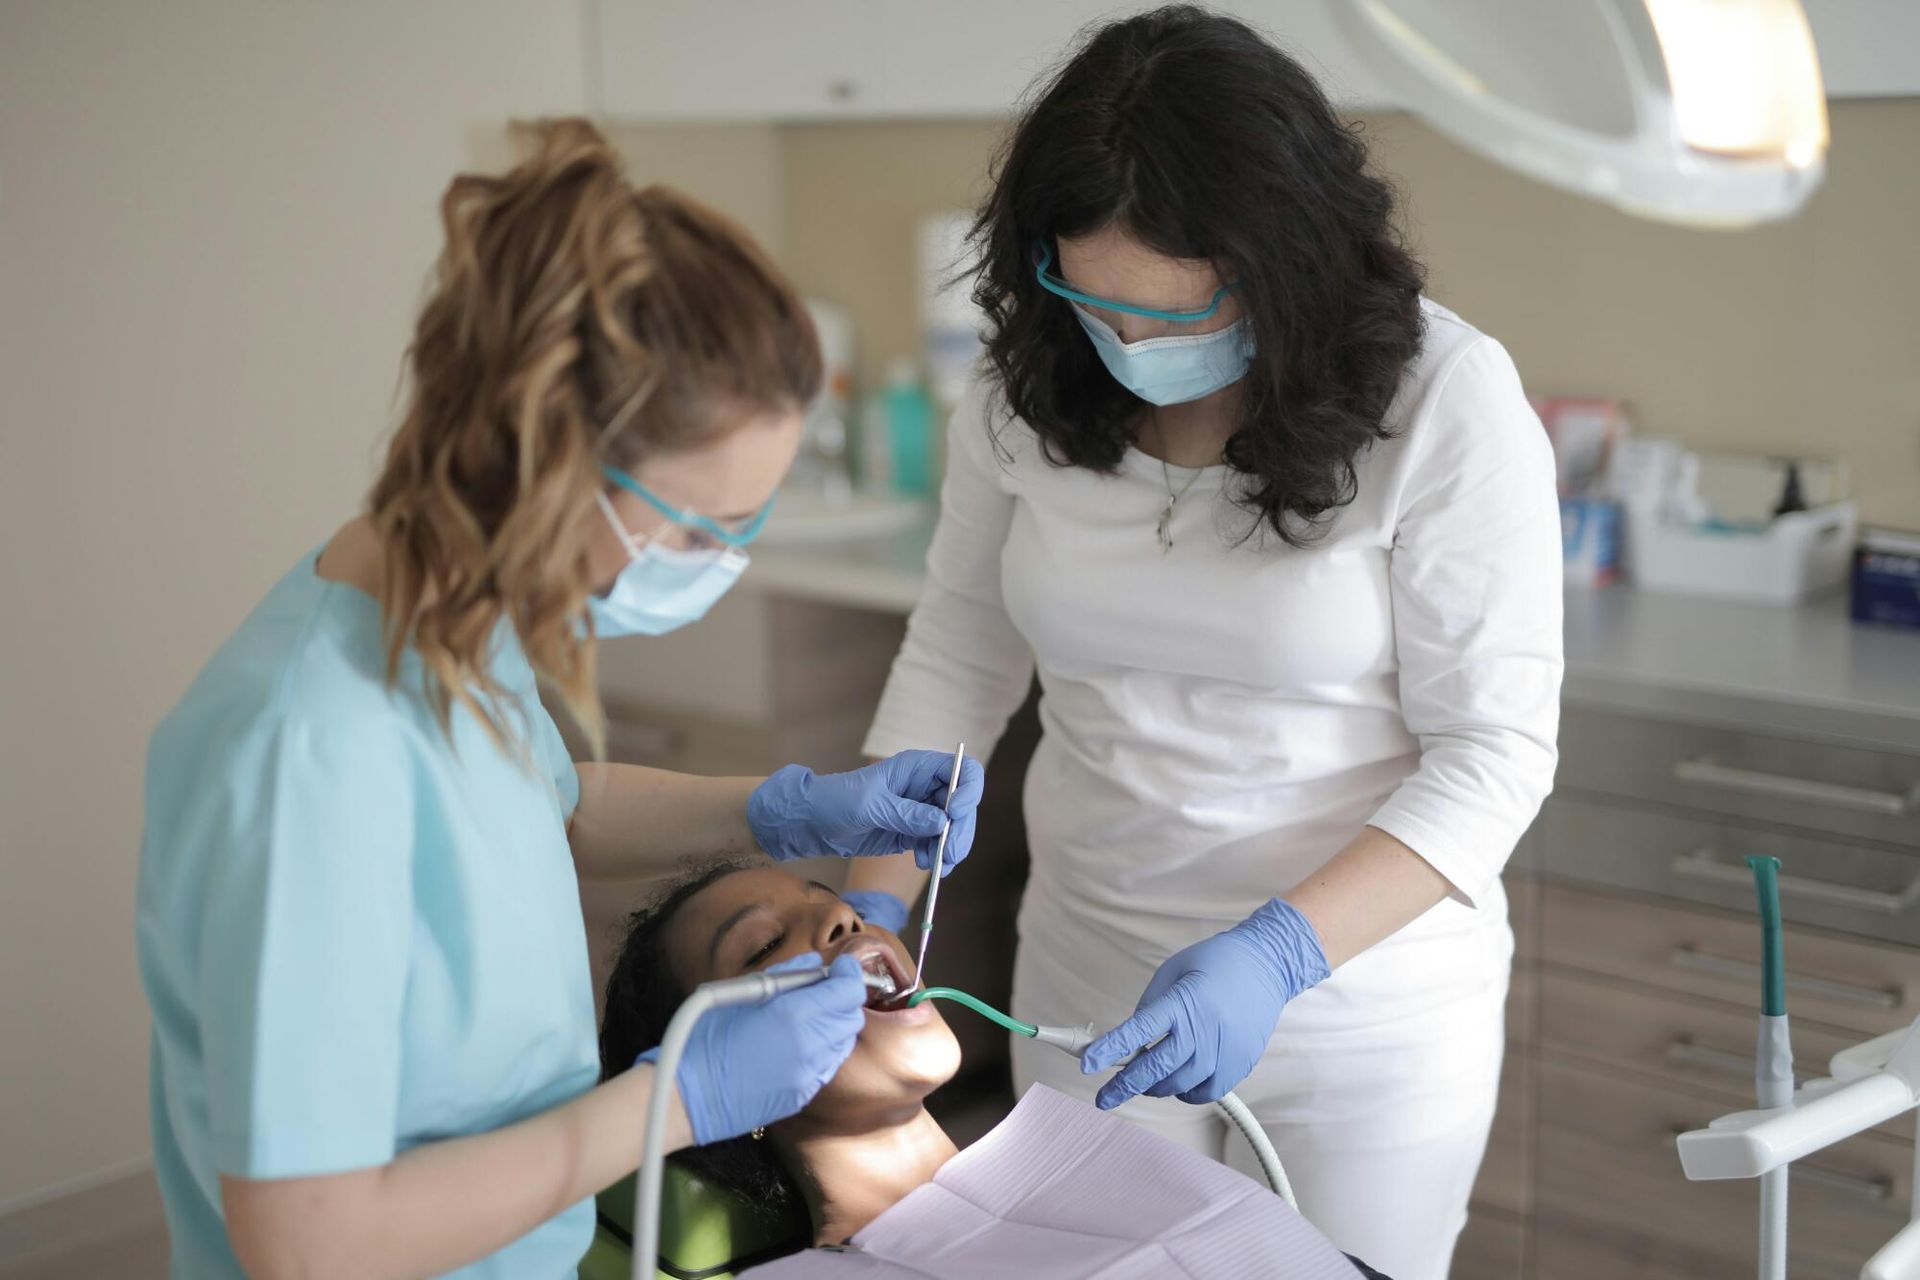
(1649, 166)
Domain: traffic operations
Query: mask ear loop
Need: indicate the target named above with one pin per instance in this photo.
(639, 397)
(635, 547)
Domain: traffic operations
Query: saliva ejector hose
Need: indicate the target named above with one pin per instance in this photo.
(1074, 1040)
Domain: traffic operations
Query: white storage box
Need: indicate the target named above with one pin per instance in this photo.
(1796, 556)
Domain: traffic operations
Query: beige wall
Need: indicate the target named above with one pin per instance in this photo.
(740, 168)
(1801, 337)
(215, 220)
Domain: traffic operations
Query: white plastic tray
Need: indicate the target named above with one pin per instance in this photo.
(1795, 557)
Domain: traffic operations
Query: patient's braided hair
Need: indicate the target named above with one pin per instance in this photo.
(642, 996)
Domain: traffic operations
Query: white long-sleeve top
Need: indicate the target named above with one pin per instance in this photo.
(1220, 719)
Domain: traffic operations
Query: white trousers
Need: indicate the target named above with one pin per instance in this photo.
(1381, 1127)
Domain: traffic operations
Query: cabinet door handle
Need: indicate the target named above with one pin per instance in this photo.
(1707, 772)
(1871, 1188)
(1682, 1052)
(1691, 958)
(1702, 865)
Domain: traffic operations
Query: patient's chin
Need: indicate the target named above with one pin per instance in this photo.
(898, 1061)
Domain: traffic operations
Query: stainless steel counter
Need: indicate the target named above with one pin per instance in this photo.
(1807, 671)
(884, 574)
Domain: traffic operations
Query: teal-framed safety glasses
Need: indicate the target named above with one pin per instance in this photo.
(734, 533)
(1043, 259)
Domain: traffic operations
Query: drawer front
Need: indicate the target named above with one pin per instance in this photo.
(662, 738)
(1843, 790)
(1523, 912)
(1842, 982)
(1872, 892)
(1607, 1161)
(1577, 1247)
(1493, 1247)
(1506, 1171)
(1523, 1003)
(1697, 1044)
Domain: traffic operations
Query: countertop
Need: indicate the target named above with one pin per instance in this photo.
(883, 573)
(1804, 671)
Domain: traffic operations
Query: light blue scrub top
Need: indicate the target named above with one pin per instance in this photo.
(355, 936)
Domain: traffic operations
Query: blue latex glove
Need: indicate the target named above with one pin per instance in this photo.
(881, 809)
(877, 906)
(1211, 1009)
(752, 1064)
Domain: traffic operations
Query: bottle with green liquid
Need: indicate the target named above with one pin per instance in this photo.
(908, 414)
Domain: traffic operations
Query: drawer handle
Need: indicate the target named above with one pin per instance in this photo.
(1707, 772)
(1876, 1189)
(1694, 960)
(1702, 865)
(1682, 1052)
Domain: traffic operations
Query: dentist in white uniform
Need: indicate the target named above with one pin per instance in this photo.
(1280, 536)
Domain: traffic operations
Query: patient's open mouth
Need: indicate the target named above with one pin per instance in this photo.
(877, 958)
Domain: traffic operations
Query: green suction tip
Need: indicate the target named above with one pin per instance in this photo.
(1773, 965)
(980, 1007)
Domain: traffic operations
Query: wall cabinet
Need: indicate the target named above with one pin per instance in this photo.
(861, 59)
(689, 60)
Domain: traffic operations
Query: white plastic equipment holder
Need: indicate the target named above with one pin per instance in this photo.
(1872, 1082)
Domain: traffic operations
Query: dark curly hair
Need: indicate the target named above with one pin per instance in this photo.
(1204, 141)
(642, 996)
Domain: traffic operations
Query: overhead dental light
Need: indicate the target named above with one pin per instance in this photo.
(1704, 112)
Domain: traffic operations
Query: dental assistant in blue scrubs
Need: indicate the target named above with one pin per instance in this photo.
(374, 1045)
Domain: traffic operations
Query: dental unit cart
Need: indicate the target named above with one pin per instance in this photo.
(1869, 1084)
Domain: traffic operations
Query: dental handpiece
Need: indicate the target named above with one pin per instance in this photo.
(749, 987)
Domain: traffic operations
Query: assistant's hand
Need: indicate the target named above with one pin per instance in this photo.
(752, 1064)
(866, 813)
(877, 906)
(1211, 1008)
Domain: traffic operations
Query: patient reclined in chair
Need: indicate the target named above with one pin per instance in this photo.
(1058, 1189)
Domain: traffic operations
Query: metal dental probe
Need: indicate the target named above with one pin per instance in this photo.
(939, 857)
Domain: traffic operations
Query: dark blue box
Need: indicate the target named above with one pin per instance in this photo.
(1886, 579)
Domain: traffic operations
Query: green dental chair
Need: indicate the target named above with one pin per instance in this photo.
(706, 1233)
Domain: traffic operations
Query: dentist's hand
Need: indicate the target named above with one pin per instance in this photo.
(881, 809)
(1210, 1009)
(752, 1064)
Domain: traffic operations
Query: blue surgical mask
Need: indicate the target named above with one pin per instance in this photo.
(661, 589)
(1175, 369)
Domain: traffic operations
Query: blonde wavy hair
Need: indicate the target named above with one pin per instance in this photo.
(573, 320)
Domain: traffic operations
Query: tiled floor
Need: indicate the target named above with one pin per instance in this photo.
(136, 1255)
